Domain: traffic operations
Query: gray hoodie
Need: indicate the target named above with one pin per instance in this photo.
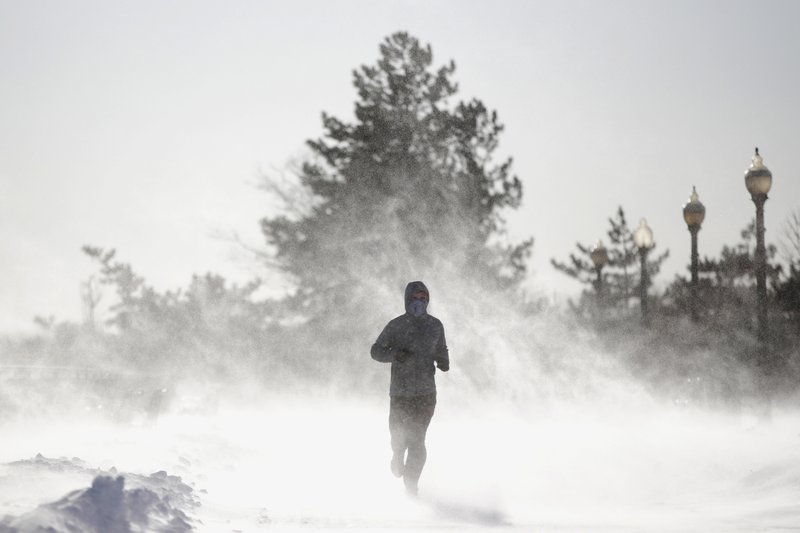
(423, 338)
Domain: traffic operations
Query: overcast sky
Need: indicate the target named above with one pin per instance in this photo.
(143, 126)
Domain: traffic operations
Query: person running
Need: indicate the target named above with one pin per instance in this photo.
(412, 343)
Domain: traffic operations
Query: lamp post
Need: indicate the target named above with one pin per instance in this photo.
(599, 257)
(758, 180)
(694, 212)
(643, 238)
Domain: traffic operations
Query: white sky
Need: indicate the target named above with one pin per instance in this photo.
(142, 126)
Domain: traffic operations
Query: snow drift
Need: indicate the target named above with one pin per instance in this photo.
(114, 503)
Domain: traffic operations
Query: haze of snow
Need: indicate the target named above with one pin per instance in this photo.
(536, 428)
(299, 462)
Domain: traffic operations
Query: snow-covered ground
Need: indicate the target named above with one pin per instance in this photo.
(287, 462)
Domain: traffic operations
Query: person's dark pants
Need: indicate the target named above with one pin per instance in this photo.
(408, 423)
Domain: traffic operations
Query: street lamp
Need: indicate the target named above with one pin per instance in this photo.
(694, 212)
(758, 180)
(643, 238)
(599, 257)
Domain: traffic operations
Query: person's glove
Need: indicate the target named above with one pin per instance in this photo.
(443, 365)
(401, 355)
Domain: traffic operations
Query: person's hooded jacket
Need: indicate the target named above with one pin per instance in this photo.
(412, 344)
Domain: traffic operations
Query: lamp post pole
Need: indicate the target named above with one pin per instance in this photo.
(643, 284)
(599, 256)
(758, 180)
(694, 213)
(694, 230)
(643, 238)
(761, 268)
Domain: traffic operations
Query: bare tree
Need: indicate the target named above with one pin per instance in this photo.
(789, 238)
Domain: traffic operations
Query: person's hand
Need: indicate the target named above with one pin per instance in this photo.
(444, 366)
(401, 355)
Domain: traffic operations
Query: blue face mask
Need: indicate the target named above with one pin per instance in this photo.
(418, 307)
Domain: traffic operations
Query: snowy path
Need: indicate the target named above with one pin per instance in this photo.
(324, 465)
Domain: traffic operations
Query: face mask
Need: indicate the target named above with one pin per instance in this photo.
(418, 307)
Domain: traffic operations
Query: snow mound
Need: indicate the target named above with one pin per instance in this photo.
(157, 503)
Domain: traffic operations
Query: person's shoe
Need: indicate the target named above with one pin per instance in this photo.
(397, 465)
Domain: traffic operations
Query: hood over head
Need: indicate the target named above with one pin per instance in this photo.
(413, 287)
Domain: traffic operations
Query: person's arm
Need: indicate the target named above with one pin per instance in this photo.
(383, 351)
(387, 349)
(442, 354)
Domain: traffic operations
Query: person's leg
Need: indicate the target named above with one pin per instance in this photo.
(421, 414)
(398, 423)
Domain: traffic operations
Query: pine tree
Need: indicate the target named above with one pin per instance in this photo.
(726, 285)
(408, 190)
(620, 277)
